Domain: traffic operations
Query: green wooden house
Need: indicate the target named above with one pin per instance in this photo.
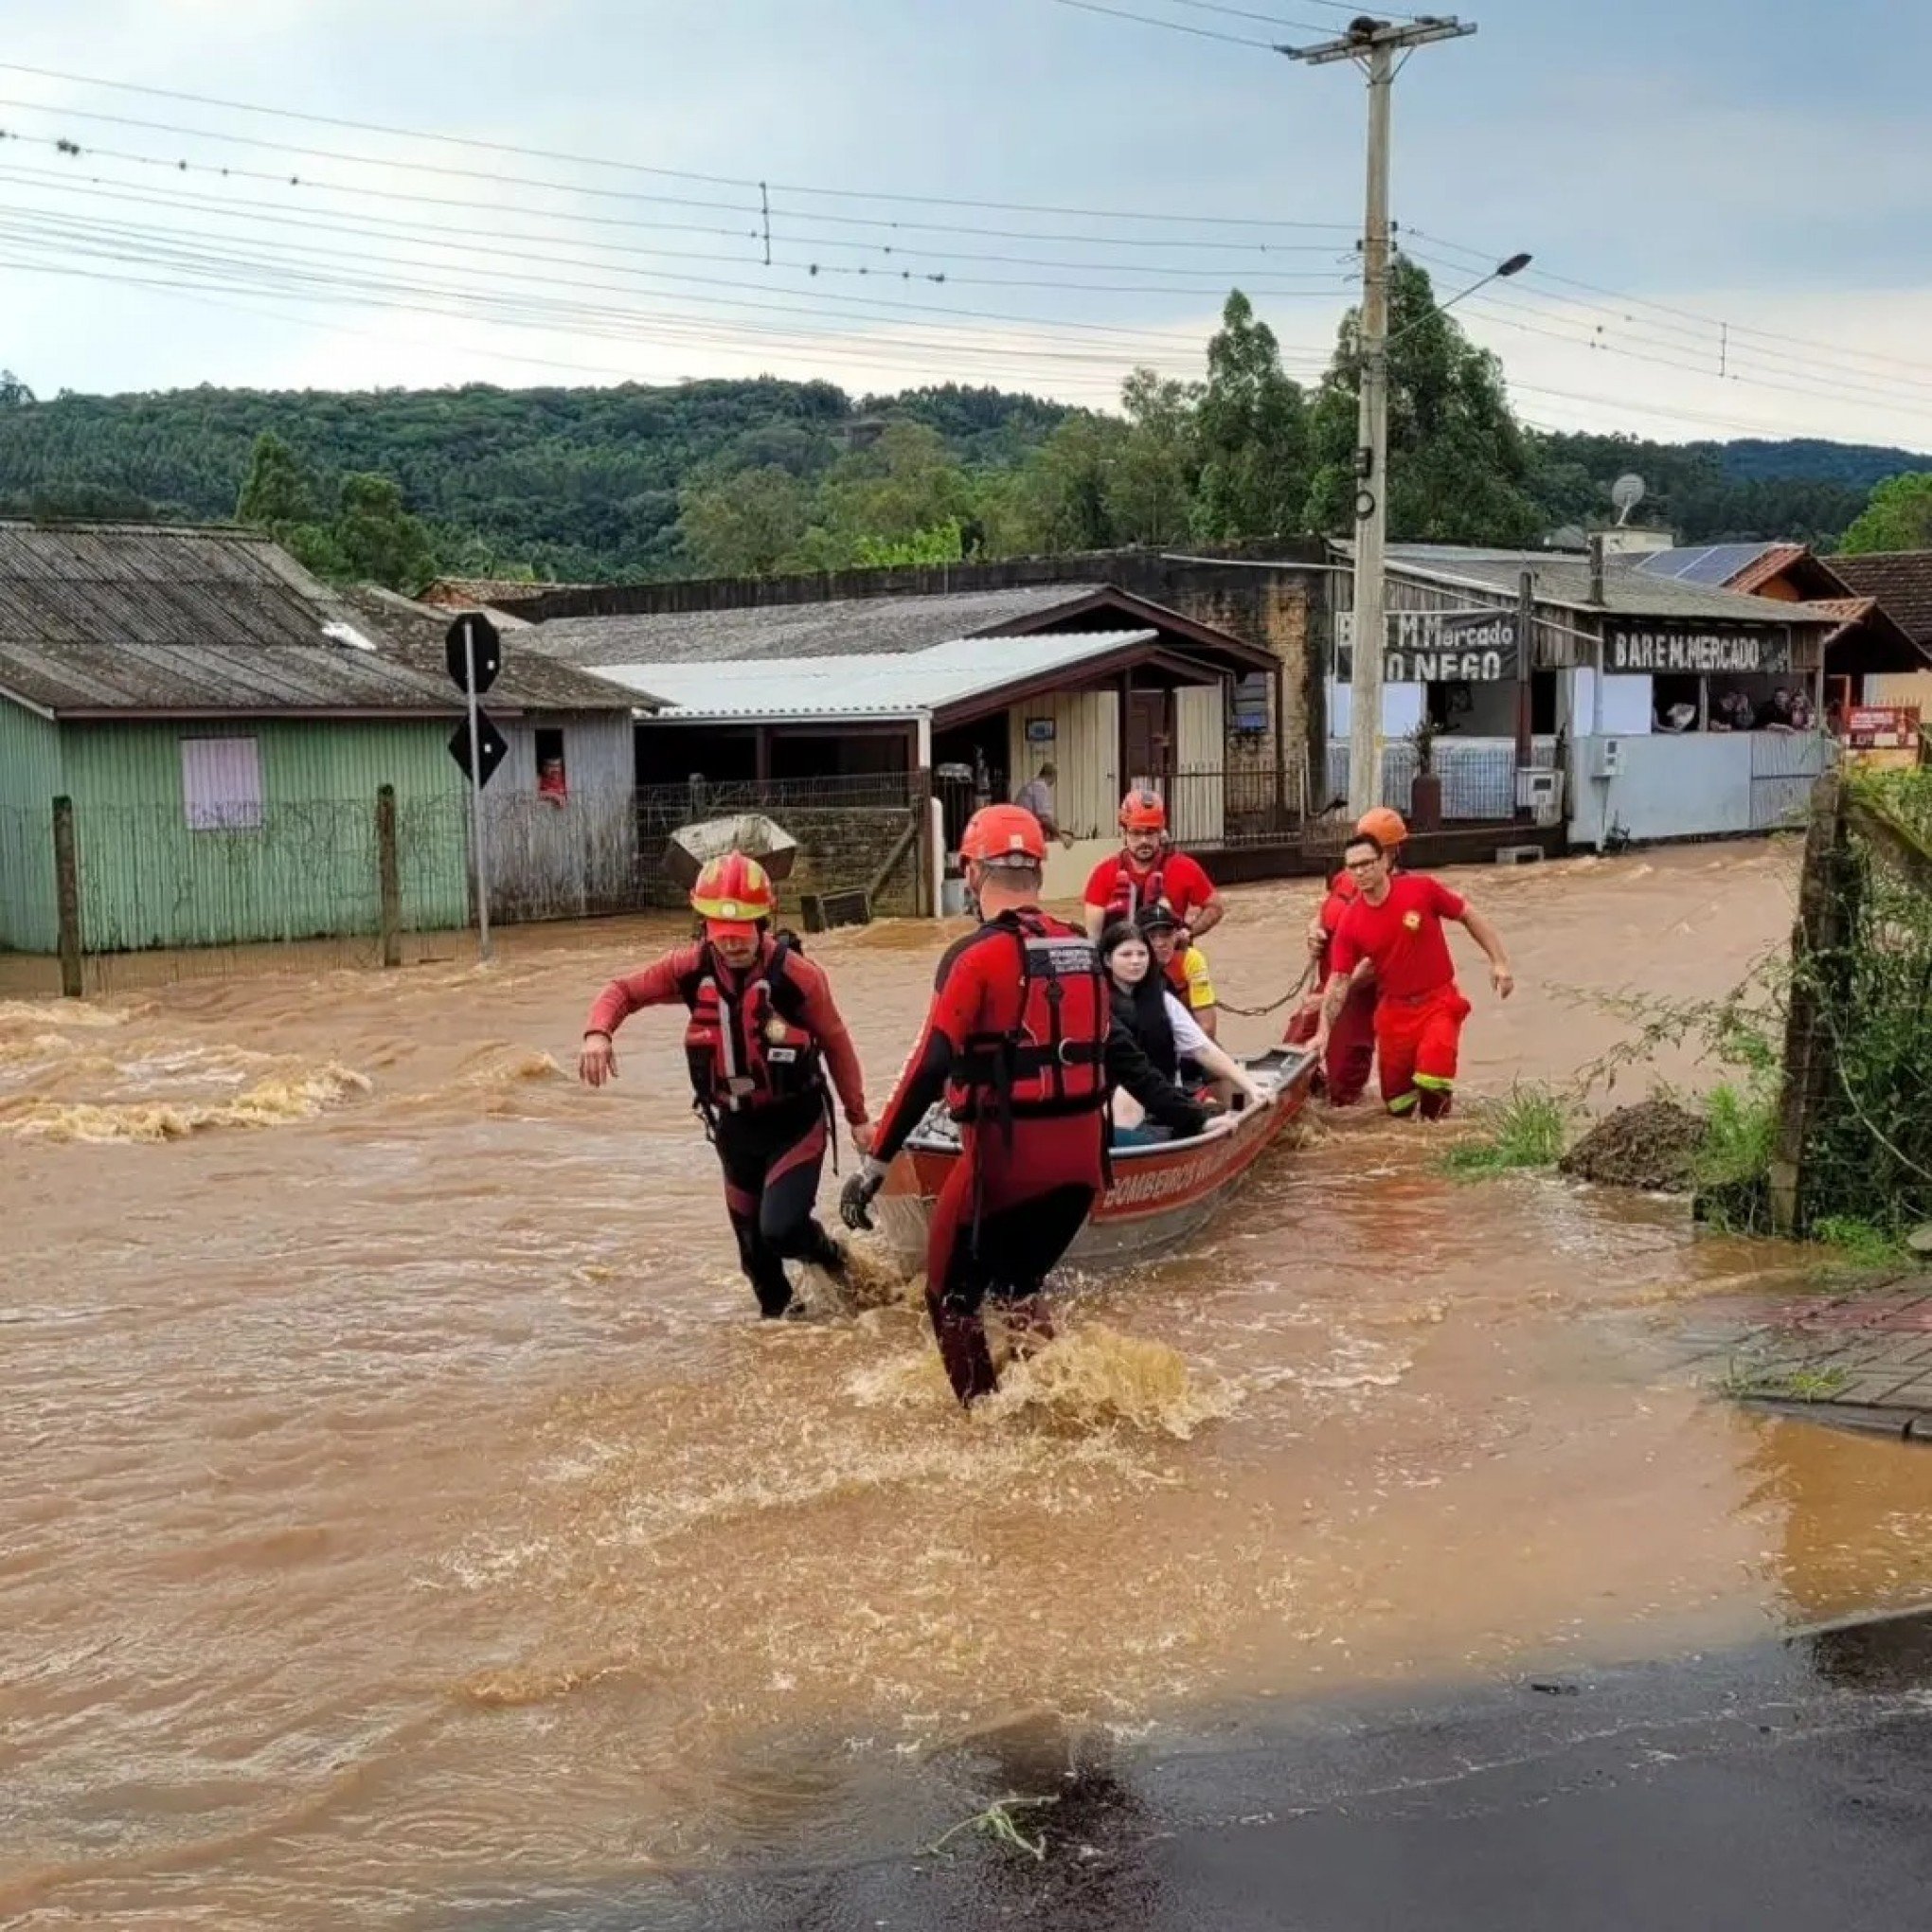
(223, 722)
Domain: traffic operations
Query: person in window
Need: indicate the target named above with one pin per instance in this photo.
(551, 787)
(1774, 714)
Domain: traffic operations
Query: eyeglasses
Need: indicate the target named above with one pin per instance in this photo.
(1361, 865)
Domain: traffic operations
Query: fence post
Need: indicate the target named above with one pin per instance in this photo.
(67, 898)
(1807, 1052)
(389, 877)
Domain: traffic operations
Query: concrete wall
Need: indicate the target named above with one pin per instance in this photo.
(1085, 748)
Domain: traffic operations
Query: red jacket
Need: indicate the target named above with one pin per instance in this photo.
(660, 984)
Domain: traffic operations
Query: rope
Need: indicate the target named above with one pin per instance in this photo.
(1294, 991)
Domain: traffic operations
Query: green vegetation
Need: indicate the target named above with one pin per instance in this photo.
(1763, 1382)
(998, 1823)
(1858, 1242)
(626, 482)
(1897, 517)
(1530, 1129)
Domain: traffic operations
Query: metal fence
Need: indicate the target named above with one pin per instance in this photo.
(322, 883)
(1479, 779)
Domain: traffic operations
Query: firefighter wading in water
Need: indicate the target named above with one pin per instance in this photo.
(1020, 1040)
(763, 1032)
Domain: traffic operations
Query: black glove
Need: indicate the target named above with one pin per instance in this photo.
(856, 1199)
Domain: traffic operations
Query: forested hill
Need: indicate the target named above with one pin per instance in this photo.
(579, 483)
(584, 483)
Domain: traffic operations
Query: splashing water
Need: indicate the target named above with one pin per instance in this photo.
(272, 1102)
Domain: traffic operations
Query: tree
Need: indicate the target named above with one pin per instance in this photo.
(380, 542)
(13, 393)
(1458, 464)
(743, 525)
(1252, 424)
(1897, 516)
(278, 492)
(1060, 500)
(1155, 472)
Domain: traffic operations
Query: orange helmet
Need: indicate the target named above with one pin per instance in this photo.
(1383, 826)
(732, 895)
(1143, 812)
(1004, 836)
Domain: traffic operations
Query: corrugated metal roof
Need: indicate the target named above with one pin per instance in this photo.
(845, 627)
(872, 685)
(1565, 582)
(170, 619)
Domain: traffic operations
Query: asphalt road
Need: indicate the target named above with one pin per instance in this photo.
(1785, 1786)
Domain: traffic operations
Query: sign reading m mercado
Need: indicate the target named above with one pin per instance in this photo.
(1639, 644)
(1437, 647)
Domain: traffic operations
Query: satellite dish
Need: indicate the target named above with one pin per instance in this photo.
(1625, 494)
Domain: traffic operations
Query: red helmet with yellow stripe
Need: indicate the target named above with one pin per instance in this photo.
(732, 896)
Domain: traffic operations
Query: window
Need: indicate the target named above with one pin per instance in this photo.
(221, 783)
(552, 782)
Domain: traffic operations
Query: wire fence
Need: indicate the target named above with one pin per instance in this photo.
(309, 884)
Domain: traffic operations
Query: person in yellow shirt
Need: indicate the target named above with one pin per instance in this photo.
(1185, 967)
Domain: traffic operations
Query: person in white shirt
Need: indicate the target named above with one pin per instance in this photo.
(1161, 1025)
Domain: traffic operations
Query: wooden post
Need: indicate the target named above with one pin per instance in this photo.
(388, 876)
(1807, 1046)
(67, 898)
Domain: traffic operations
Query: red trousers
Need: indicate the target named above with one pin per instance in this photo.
(1416, 1042)
(1350, 1042)
(1008, 1210)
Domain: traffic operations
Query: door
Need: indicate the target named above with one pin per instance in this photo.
(1150, 737)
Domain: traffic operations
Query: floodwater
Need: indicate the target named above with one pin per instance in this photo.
(403, 1514)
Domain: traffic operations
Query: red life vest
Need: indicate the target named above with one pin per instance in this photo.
(1129, 894)
(750, 1048)
(1052, 1061)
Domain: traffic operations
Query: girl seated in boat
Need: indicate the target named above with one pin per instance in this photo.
(1165, 1032)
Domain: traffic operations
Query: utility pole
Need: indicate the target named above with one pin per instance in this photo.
(1373, 45)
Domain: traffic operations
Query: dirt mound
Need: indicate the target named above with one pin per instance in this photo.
(1651, 1146)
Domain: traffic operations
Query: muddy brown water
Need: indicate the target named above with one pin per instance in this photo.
(398, 1499)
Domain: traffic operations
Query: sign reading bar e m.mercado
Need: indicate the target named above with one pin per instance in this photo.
(1638, 644)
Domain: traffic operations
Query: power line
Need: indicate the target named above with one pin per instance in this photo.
(1233, 40)
(753, 228)
(240, 207)
(1350, 7)
(387, 227)
(746, 182)
(1709, 322)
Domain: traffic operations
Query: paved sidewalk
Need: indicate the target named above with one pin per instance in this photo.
(1869, 1350)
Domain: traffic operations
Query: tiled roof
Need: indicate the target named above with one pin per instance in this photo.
(1899, 580)
(167, 619)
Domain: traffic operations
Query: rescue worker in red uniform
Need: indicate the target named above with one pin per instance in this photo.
(1394, 924)
(1021, 1041)
(762, 1031)
(1146, 871)
(1350, 1056)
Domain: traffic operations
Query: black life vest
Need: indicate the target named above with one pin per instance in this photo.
(1143, 1011)
(750, 1048)
(1053, 1060)
(1129, 894)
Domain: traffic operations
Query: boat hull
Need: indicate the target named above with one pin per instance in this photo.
(1161, 1198)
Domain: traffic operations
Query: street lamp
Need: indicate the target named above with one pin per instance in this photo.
(1372, 504)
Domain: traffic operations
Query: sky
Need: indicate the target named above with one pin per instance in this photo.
(1727, 204)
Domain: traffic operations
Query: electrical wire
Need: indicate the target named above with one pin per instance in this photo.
(746, 181)
(1233, 40)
